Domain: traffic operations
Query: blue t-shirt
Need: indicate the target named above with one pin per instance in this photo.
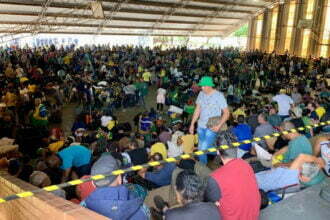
(163, 176)
(243, 132)
(211, 106)
(74, 156)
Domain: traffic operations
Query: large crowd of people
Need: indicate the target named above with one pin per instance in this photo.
(203, 98)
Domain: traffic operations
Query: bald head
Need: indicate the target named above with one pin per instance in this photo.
(40, 179)
(287, 125)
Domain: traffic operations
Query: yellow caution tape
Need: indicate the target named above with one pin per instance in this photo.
(154, 163)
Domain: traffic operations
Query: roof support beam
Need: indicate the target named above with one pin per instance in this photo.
(109, 9)
(174, 5)
(106, 26)
(74, 16)
(167, 15)
(116, 33)
(228, 3)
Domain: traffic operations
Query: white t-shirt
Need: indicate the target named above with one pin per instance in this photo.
(284, 103)
(161, 95)
(173, 149)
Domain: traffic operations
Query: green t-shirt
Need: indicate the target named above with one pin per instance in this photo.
(300, 145)
(274, 120)
(307, 121)
(325, 94)
(142, 87)
(189, 109)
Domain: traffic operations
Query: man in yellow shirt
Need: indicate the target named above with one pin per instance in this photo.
(146, 76)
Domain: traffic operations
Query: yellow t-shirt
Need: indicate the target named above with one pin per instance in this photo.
(159, 148)
(67, 60)
(32, 88)
(238, 112)
(188, 143)
(10, 99)
(320, 111)
(196, 139)
(146, 76)
(212, 69)
(56, 146)
(140, 69)
(162, 73)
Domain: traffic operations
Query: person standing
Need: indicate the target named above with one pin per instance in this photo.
(210, 103)
(284, 102)
(161, 95)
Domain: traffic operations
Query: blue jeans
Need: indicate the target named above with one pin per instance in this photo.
(206, 140)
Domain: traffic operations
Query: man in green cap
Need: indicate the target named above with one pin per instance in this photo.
(210, 103)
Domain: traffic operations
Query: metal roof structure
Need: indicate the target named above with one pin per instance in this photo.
(127, 17)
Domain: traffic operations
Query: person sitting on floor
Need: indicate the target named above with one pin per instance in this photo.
(190, 192)
(235, 188)
(304, 170)
(298, 144)
(111, 198)
(242, 132)
(161, 176)
(41, 179)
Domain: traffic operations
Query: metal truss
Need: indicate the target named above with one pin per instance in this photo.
(114, 11)
(41, 23)
(181, 4)
(209, 18)
(270, 4)
(41, 18)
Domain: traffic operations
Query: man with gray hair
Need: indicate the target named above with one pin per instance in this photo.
(264, 128)
(305, 170)
(298, 144)
(41, 180)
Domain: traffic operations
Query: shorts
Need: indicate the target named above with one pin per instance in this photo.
(83, 170)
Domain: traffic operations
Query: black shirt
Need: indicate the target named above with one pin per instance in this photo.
(194, 210)
(138, 156)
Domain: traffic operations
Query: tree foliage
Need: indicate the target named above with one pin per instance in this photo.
(242, 31)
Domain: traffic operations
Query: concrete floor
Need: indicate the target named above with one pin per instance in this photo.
(123, 115)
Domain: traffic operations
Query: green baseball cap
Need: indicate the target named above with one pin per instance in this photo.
(206, 81)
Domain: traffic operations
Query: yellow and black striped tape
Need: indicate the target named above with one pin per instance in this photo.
(156, 163)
